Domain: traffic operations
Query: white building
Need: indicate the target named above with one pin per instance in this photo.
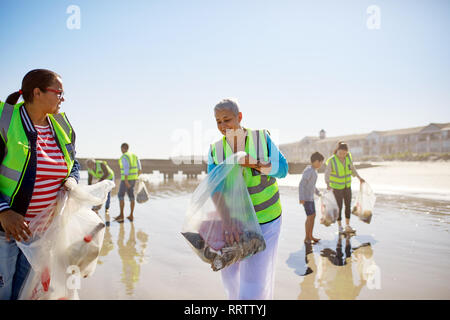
(434, 137)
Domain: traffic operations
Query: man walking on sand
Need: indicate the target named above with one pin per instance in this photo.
(130, 168)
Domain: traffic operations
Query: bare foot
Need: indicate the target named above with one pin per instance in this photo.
(315, 239)
(120, 220)
(307, 241)
(118, 217)
(130, 218)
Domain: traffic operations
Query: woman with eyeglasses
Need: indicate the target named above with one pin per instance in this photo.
(37, 158)
(338, 177)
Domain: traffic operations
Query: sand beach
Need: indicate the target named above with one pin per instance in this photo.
(404, 253)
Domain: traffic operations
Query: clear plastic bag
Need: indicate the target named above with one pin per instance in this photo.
(365, 202)
(141, 189)
(329, 208)
(220, 207)
(65, 244)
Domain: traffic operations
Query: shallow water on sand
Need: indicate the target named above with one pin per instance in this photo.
(403, 253)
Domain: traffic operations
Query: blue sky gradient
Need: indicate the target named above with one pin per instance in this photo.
(147, 71)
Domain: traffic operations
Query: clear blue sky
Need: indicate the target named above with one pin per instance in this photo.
(146, 71)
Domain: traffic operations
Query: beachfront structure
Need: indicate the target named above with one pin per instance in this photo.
(434, 137)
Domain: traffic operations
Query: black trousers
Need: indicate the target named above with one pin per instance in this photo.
(343, 196)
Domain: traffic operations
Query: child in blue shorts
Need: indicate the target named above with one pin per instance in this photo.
(307, 188)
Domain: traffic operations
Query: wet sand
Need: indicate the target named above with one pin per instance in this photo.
(403, 254)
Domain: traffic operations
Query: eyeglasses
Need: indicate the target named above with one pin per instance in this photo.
(59, 93)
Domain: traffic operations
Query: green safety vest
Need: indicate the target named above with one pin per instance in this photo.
(17, 147)
(98, 172)
(133, 172)
(340, 177)
(263, 189)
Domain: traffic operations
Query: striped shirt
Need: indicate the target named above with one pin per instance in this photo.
(51, 170)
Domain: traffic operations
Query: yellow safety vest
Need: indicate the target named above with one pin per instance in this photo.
(98, 172)
(132, 160)
(340, 177)
(263, 189)
(17, 147)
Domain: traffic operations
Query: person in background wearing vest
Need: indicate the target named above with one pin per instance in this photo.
(253, 277)
(338, 177)
(100, 170)
(130, 169)
(37, 158)
(307, 189)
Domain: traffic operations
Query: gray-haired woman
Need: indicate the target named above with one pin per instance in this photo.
(253, 277)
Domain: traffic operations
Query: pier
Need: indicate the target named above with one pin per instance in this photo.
(165, 166)
(169, 168)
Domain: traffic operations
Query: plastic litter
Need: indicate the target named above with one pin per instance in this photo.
(329, 208)
(142, 194)
(365, 202)
(221, 204)
(65, 245)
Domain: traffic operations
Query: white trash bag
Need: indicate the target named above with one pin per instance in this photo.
(65, 243)
(222, 199)
(142, 194)
(328, 207)
(365, 202)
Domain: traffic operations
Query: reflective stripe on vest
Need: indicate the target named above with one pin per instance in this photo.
(133, 171)
(10, 173)
(64, 137)
(17, 148)
(5, 120)
(340, 176)
(98, 173)
(263, 189)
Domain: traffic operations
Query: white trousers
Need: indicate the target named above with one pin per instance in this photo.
(253, 278)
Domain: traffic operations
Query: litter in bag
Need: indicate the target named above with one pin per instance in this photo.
(365, 202)
(328, 208)
(65, 244)
(221, 207)
(141, 190)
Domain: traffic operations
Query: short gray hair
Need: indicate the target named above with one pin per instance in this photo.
(228, 104)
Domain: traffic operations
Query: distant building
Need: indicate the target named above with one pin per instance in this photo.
(434, 137)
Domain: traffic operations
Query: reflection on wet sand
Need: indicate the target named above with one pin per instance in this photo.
(309, 289)
(132, 258)
(107, 247)
(164, 188)
(367, 268)
(334, 274)
(407, 237)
